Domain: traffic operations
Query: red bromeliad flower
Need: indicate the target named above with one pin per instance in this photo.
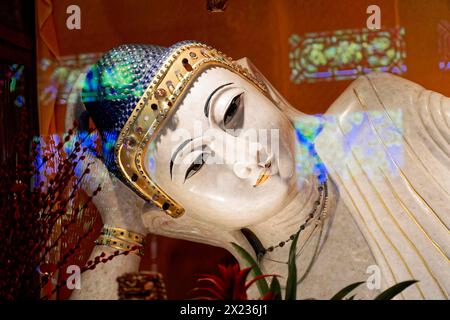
(229, 285)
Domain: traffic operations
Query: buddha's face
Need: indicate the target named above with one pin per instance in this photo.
(226, 153)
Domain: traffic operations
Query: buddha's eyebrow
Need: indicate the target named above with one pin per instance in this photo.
(174, 155)
(207, 104)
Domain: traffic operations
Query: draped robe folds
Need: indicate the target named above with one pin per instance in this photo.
(386, 144)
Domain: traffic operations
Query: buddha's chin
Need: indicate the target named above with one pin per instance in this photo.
(278, 192)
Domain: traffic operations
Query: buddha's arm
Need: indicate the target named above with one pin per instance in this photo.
(101, 282)
(119, 207)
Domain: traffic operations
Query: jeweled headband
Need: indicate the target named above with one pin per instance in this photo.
(131, 92)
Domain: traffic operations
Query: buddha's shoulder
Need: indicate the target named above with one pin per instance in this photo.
(377, 90)
(394, 99)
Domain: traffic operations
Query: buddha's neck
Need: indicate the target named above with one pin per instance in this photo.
(287, 222)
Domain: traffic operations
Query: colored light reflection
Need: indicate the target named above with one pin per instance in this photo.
(444, 45)
(57, 79)
(373, 137)
(346, 54)
(12, 79)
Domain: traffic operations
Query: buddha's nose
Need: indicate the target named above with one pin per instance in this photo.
(256, 172)
(246, 158)
(252, 159)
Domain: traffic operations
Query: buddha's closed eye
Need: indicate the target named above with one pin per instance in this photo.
(225, 117)
(232, 110)
(196, 165)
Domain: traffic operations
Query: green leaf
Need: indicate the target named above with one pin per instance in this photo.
(291, 284)
(262, 285)
(275, 288)
(391, 292)
(256, 279)
(343, 292)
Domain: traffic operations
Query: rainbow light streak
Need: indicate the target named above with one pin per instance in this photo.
(307, 160)
(352, 136)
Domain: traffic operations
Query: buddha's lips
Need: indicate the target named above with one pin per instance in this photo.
(264, 175)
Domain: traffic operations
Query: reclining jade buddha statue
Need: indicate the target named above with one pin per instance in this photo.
(203, 148)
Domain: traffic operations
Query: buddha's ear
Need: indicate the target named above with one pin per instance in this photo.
(276, 97)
